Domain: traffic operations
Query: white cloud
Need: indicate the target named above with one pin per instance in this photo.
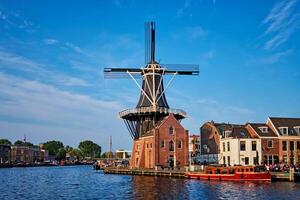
(16, 20)
(38, 71)
(35, 107)
(196, 32)
(202, 110)
(275, 57)
(190, 33)
(281, 22)
(50, 41)
(74, 47)
(181, 11)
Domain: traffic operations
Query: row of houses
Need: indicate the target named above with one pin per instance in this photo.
(275, 141)
(22, 154)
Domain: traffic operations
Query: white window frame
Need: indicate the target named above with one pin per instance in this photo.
(226, 133)
(297, 128)
(282, 128)
(263, 129)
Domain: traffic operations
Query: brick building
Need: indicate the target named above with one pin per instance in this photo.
(26, 154)
(229, 144)
(165, 145)
(269, 142)
(210, 138)
(288, 132)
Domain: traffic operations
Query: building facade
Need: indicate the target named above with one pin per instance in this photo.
(26, 154)
(194, 148)
(229, 144)
(210, 138)
(166, 145)
(288, 132)
(240, 151)
(269, 142)
(5, 155)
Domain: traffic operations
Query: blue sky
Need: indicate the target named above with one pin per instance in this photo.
(52, 55)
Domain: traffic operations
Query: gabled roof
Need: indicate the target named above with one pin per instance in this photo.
(237, 130)
(240, 132)
(286, 122)
(159, 124)
(256, 126)
(221, 127)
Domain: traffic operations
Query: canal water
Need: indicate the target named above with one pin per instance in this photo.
(81, 182)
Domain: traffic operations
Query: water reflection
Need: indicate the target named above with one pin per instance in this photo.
(81, 182)
(146, 187)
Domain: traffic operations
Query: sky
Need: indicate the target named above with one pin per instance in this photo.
(52, 55)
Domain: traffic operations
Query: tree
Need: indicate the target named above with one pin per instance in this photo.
(61, 154)
(22, 143)
(5, 141)
(53, 147)
(90, 149)
(78, 154)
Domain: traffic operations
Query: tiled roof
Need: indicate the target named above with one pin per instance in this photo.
(225, 127)
(256, 126)
(237, 130)
(286, 122)
(240, 132)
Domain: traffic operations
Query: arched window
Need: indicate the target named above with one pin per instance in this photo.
(171, 130)
(179, 144)
(171, 146)
(163, 143)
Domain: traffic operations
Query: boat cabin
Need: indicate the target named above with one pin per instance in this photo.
(233, 170)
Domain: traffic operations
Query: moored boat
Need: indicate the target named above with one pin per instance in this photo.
(236, 173)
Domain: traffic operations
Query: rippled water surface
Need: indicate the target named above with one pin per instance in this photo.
(81, 182)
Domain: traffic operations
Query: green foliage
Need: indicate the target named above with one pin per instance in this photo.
(90, 149)
(69, 149)
(22, 143)
(5, 141)
(78, 154)
(53, 147)
(61, 154)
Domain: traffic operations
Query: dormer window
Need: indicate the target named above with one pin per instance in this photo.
(297, 128)
(263, 129)
(227, 133)
(284, 130)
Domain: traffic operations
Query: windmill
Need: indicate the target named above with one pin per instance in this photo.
(152, 106)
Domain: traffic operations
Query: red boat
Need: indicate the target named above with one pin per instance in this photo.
(236, 173)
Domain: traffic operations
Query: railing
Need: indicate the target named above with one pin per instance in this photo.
(152, 109)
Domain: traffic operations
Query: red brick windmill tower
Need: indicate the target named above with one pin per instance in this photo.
(152, 109)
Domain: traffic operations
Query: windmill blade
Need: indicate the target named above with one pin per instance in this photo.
(181, 69)
(109, 70)
(112, 73)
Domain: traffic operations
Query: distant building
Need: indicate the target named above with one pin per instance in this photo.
(194, 148)
(288, 132)
(123, 154)
(26, 154)
(5, 154)
(165, 145)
